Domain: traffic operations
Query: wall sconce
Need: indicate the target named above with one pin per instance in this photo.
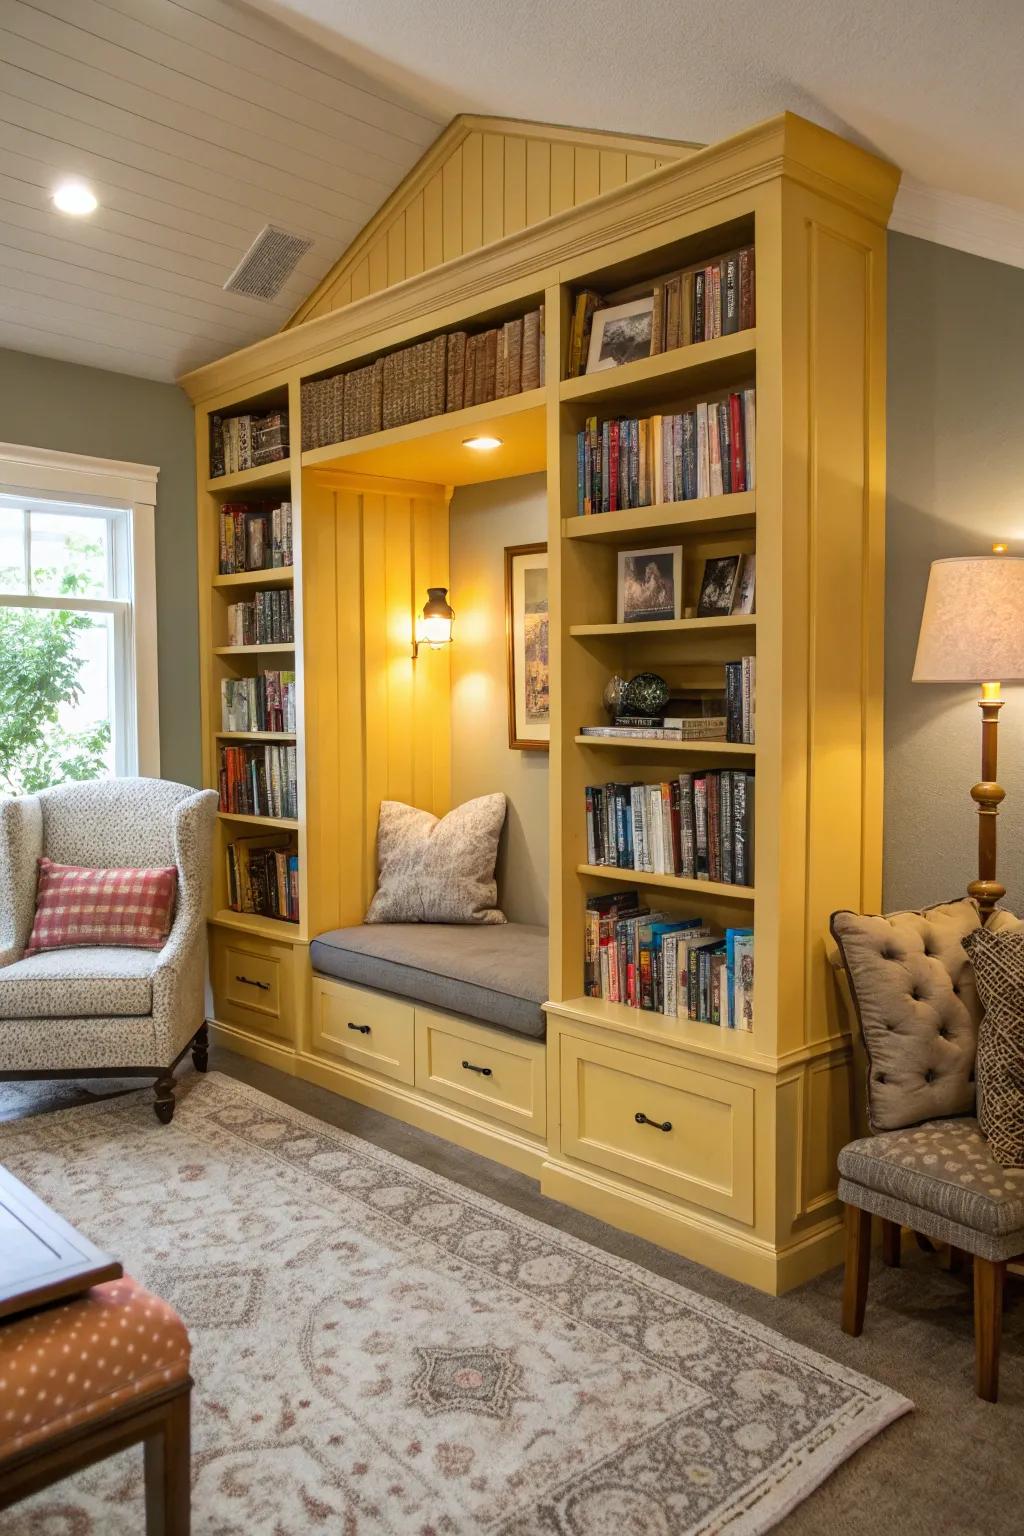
(434, 626)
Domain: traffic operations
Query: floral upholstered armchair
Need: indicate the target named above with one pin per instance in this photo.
(105, 1011)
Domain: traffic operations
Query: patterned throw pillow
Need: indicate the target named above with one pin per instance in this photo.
(432, 871)
(998, 960)
(131, 908)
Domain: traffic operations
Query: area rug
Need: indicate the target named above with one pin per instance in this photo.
(380, 1352)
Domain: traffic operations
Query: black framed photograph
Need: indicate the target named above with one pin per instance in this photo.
(650, 584)
(718, 586)
(526, 629)
(621, 334)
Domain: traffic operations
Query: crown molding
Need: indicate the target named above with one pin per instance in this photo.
(964, 223)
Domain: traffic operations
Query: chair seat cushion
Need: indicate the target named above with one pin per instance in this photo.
(86, 983)
(495, 973)
(945, 1167)
(69, 1365)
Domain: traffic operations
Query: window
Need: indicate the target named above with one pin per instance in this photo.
(77, 651)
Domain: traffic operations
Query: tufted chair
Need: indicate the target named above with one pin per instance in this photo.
(928, 1166)
(105, 1012)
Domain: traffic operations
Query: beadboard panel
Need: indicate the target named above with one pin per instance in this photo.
(483, 179)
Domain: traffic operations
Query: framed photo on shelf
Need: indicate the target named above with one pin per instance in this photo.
(526, 628)
(650, 584)
(621, 334)
(718, 586)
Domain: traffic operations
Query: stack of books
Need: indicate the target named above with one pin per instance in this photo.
(658, 728)
(263, 877)
(413, 383)
(699, 826)
(259, 781)
(363, 401)
(645, 461)
(255, 537)
(678, 968)
(268, 620)
(263, 703)
(740, 699)
(245, 442)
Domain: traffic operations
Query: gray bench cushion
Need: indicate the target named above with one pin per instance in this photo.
(498, 974)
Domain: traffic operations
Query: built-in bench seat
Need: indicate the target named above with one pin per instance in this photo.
(494, 973)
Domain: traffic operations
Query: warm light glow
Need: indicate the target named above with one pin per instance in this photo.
(990, 692)
(482, 443)
(999, 549)
(75, 197)
(434, 625)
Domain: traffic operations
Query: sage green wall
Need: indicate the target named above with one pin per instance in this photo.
(484, 519)
(956, 484)
(49, 404)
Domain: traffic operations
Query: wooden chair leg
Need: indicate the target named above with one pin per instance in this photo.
(989, 1275)
(169, 1474)
(163, 1098)
(201, 1048)
(858, 1262)
(892, 1243)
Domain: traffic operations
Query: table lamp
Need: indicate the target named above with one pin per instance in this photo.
(972, 630)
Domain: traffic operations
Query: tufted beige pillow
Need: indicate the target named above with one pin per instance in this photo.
(918, 1009)
(997, 955)
(432, 871)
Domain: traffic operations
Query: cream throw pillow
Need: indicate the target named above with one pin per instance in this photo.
(432, 871)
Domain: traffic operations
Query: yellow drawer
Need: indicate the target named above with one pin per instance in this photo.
(675, 1129)
(363, 1027)
(498, 1074)
(252, 983)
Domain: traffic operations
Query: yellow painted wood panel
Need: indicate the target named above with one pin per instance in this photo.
(515, 185)
(562, 177)
(493, 187)
(378, 260)
(360, 279)
(365, 1028)
(398, 618)
(490, 1071)
(588, 174)
(613, 169)
(639, 165)
(472, 192)
(451, 207)
(396, 251)
(414, 236)
(538, 180)
(433, 223)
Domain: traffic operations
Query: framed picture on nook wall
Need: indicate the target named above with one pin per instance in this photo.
(526, 627)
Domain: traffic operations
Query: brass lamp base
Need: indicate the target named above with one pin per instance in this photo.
(987, 795)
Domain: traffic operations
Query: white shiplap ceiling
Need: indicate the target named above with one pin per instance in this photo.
(196, 122)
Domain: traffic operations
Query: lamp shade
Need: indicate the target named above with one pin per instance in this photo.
(972, 628)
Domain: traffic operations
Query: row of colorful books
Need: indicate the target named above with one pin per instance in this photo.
(247, 441)
(443, 374)
(263, 878)
(679, 968)
(262, 703)
(645, 461)
(259, 781)
(699, 826)
(268, 619)
(255, 537)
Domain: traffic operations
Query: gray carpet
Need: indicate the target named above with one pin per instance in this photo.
(952, 1466)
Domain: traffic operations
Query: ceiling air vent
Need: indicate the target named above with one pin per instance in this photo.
(268, 264)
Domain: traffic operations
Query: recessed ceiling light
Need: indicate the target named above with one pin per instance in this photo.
(74, 197)
(482, 443)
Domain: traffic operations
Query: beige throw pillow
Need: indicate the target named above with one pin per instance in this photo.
(432, 871)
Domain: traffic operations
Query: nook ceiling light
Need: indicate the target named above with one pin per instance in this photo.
(74, 197)
(482, 443)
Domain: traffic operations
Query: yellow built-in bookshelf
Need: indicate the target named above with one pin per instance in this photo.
(747, 1183)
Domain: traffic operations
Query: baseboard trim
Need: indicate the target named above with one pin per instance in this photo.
(489, 1139)
(702, 1239)
(269, 1052)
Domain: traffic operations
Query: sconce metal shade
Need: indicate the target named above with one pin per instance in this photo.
(435, 627)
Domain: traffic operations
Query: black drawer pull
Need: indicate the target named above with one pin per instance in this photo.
(659, 1125)
(484, 1071)
(363, 1029)
(264, 986)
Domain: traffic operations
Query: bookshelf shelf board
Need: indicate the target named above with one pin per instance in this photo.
(252, 650)
(711, 514)
(686, 1034)
(283, 823)
(701, 748)
(728, 360)
(278, 474)
(275, 576)
(275, 928)
(255, 735)
(717, 888)
(743, 622)
(433, 450)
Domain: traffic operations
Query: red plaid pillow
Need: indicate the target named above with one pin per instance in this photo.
(133, 908)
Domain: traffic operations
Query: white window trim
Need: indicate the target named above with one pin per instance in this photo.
(109, 483)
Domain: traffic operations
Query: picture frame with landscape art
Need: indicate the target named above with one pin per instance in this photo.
(650, 585)
(526, 627)
(621, 334)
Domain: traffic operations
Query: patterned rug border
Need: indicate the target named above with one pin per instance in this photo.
(883, 1405)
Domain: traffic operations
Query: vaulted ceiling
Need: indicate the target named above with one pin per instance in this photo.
(199, 121)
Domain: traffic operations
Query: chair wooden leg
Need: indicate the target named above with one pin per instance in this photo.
(201, 1048)
(163, 1098)
(988, 1325)
(858, 1261)
(892, 1243)
(168, 1473)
